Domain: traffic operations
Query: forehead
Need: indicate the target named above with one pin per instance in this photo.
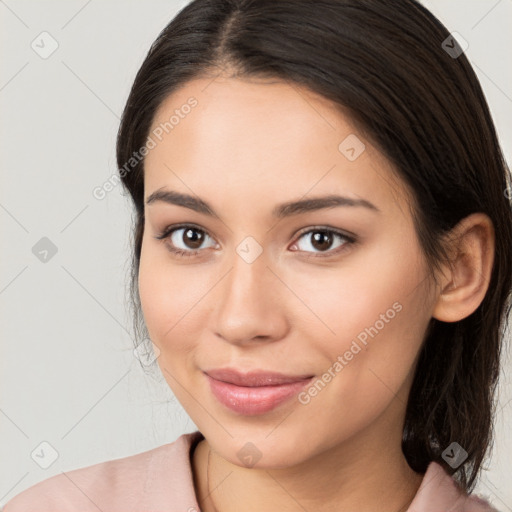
(260, 140)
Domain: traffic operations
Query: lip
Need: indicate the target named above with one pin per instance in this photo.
(256, 392)
(254, 378)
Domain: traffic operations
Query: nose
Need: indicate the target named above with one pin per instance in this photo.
(250, 304)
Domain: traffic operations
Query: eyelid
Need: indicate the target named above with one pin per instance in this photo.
(168, 230)
(351, 240)
(322, 227)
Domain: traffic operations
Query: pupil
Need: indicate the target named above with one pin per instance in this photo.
(320, 238)
(195, 241)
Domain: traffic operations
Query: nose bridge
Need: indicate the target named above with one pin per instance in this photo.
(248, 272)
(247, 305)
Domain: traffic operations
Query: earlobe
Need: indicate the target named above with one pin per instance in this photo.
(466, 281)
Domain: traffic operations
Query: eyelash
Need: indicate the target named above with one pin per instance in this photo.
(349, 240)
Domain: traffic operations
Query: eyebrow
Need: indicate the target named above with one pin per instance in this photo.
(280, 211)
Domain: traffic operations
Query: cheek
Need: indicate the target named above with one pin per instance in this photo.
(377, 299)
(169, 300)
(377, 319)
(168, 295)
(374, 291)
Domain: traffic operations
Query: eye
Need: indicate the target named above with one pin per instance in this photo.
(322, 239)
(184, 240)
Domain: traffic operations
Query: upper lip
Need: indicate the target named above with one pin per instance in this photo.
(254, 378)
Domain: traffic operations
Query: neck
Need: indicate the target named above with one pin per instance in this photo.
(355, 475)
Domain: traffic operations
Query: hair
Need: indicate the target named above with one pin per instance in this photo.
(385, 66)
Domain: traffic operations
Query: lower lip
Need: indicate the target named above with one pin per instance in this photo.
(254, 400)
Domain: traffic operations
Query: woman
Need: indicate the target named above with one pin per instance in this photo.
(322, 260)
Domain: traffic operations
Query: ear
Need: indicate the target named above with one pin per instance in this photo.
(466, 278)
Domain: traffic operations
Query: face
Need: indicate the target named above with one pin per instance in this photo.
(333, 291)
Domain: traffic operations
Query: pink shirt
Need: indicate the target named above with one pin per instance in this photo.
(160, 480)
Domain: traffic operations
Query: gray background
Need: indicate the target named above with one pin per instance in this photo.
(68, 373)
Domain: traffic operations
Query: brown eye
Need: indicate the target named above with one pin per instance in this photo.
(185, 240)
(323, 240)
(191, 238)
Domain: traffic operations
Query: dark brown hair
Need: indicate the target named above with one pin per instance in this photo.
(384, 64)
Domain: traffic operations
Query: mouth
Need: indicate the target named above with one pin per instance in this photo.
(256, 392)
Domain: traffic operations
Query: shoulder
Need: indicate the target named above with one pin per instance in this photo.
(136, 482)
(440, 491)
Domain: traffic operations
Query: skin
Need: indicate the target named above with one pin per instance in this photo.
(247, 146)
